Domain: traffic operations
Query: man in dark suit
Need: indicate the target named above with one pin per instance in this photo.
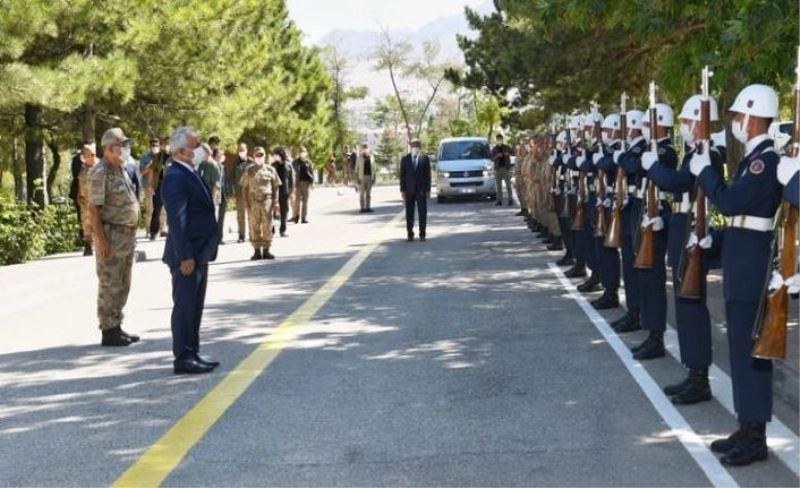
(191, 244)
(415, 186)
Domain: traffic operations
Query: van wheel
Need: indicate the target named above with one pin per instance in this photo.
(493, 196)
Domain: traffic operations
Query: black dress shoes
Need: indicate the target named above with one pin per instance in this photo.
(211, 364)
(696, 389)
(590, 285)
(422, 238)
(410, 238)
(576, 272)
(191, 366)
(749, 447)
(609, 299)
(651, 348)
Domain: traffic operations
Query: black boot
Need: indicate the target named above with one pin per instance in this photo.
(566, 260)
(549, 239)
(696, 390)
(114, 338)
(521, 213)
(652, 348)
(629, 323)
(676, 388)
(609, 299)
(256, 255)
(590, 285)
(241, 238)
(576, 271)
(265, 254)
(132, 337)
(87, 249)
(751, 445)
(722, 446)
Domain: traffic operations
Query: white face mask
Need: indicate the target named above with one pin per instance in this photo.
(155, 150)
(415, 151)
(607, 139)
(687, 133)
(739, 129)
(126, 153)
(198, 157)
(646, 133)
(243, 154)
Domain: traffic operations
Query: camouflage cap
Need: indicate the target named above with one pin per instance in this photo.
(114, 136)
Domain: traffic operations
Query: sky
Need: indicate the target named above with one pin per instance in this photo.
(318, 17)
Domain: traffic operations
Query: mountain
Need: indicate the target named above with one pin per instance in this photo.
(358, 45)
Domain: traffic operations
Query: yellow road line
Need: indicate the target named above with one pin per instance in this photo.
(164, 456)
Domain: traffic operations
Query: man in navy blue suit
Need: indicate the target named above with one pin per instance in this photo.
(191, 244)
(415, 186)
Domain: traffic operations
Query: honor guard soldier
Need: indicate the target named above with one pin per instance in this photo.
(556, 179)
(789, 177)
(653, 280)
(259, 185)
(588, 172)
(631, 218)
(608, 257)
(749, 201)
(569, 201)
(691, 315)
(115, 217)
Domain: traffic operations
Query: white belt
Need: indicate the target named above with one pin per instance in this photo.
(684, 206)
(750, 222)
(632, 188)
(592, 188)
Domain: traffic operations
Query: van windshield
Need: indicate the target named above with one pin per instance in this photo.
(464, 150)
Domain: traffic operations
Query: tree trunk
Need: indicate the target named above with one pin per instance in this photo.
(34, 157)
(400, 102)
(53, 172)
(16, 169)
(428, 105)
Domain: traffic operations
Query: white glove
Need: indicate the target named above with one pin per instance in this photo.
(618, 154)
(581, 160)
(656, 222)
(777, 281)
(607, 202)
(699, 162)
(565, 159)
(551, 160)
(704, 243)
(649, 159)
(597, 157)
(626, 201)
(787, 168)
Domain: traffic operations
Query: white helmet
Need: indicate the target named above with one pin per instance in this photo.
(575, 122)
(664, 116)
(561, 137)
(590, 118)
(691, 109)
(634, 119)
(611, 122)
(758, 101)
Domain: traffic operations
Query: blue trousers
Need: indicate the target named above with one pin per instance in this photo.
(188, 297)
(751, 378)
(608, 264)
(630, 276)
(694, 329)
(566, 235)
(653, 283)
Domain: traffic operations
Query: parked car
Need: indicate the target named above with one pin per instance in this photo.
(464, 168)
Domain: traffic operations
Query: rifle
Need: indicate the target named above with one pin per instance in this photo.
(646, 251)
(692, 278)
(580, 202)
(567, 207)
(769, 335)
(614, 231)
(602, 216)
(553, 202)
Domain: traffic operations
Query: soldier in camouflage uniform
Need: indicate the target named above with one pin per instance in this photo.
(115, 216)
(259, 185)
(520, 175)
(88, 159)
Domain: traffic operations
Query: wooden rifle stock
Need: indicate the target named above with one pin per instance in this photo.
(614, 230)
(646, 251)
(771, 328)
(580, 205)
(601, 221)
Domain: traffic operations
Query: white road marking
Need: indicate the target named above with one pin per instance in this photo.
(705, 459)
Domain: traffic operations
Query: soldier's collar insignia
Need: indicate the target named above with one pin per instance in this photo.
(637, 150)
(661, 151)
(757, 167)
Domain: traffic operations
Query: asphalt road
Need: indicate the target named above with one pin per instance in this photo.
(462, 361)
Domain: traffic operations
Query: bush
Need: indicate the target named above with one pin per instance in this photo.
(26, 234)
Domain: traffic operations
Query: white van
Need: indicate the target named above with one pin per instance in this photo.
(464, 168)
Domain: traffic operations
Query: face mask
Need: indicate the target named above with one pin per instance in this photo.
(646, 133)
(739, 129)
(686, 133)
(126, 153)
(607, 139)
(198, 156)
(243, 154)
(414, 151)
(166, 148)
(303, 155)
(155, 150)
